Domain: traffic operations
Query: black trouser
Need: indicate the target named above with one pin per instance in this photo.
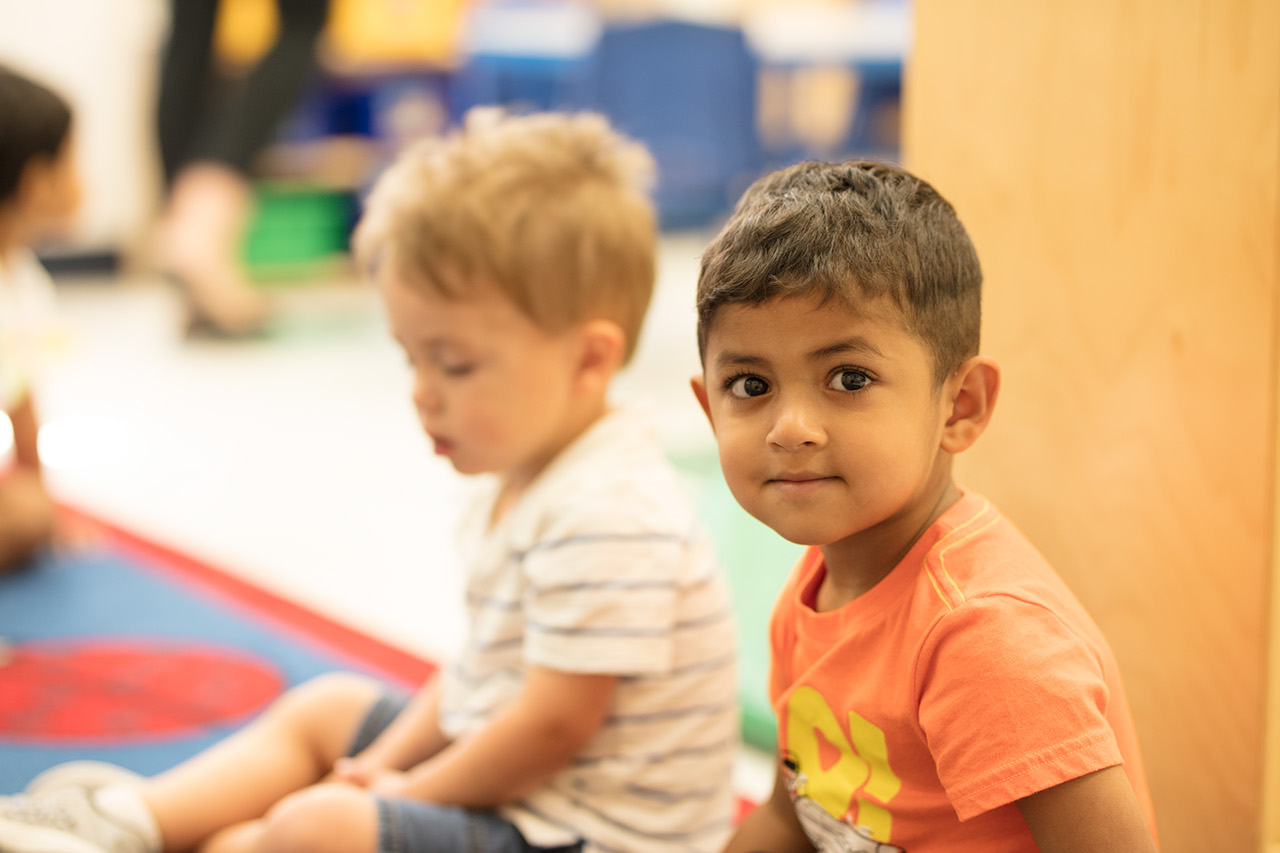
(196, 125)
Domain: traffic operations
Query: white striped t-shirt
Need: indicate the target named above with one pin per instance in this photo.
(601, 567)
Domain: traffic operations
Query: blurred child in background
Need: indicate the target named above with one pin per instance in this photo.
(39, 194)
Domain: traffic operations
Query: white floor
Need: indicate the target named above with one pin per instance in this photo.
(296, 462)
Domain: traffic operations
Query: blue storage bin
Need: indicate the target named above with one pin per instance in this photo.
(527, 55)
(688, 91)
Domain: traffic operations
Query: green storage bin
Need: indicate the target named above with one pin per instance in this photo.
(296, 230)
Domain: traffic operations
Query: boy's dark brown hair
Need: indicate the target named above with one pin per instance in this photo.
(34, 122)
(853, 231)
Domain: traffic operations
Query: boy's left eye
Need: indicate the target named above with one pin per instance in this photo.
(457, 370)
(849, 380)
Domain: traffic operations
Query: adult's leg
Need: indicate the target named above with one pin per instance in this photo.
(292, 745)
(210, 196)
(184, 79)
(233, 134)
(198, 245)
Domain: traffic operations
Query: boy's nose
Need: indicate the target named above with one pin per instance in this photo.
(426, 397)
(795, 428)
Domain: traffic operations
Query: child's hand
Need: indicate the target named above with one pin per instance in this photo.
(372, 776)
(353, 771)
(390, 783)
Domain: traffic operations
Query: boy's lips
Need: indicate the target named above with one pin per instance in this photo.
(441, 446)
(800, 482)
(799, 477)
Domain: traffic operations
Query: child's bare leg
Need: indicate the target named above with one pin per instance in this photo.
(241, 838)
(319, 819)
(26, 517)
(292, 745)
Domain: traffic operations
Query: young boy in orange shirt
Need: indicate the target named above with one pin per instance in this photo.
(937, 686)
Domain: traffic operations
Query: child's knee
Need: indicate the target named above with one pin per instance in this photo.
(332, 696)
(323, 818)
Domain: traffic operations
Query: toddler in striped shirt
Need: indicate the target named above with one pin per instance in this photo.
(593, 704)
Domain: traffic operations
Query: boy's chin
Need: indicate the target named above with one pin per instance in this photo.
(802, 534)
(809, 540)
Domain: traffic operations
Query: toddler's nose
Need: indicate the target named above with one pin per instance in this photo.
(426, 396)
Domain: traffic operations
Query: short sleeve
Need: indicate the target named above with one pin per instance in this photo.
(1012, 701)
(601, 594)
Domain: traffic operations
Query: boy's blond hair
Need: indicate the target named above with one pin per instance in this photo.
(552, 209)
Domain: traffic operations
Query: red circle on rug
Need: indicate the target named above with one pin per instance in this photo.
(127, 689)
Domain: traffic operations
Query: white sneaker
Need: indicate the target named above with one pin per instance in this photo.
(89, 775)
(64, 820)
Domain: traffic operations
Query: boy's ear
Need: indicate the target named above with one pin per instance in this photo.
(602, 344)
(700, 391)
(972, 390)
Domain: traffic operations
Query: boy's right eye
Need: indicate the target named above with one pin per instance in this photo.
(747, 386)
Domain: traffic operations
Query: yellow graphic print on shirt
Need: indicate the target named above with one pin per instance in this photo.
(840, 789)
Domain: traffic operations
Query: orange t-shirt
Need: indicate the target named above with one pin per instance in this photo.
(970, 677)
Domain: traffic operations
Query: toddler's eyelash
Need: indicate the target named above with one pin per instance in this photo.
(728, 383)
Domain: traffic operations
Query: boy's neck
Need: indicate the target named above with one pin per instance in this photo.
(856, 564)
(517, 481)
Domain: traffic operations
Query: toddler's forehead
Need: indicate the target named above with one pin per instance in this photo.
(470, 307)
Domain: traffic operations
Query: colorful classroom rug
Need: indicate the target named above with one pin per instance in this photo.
(126, 651)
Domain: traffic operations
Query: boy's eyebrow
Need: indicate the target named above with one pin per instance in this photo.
(725, 359)
(429, 343)
(855, 344)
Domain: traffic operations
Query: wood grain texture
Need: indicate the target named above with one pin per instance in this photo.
(1116, 165)
(1271, 718)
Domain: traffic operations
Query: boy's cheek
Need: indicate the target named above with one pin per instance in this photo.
(737, 454)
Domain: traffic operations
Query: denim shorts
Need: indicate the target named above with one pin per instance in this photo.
(411, 826)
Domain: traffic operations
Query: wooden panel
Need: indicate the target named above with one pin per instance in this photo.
(1271, 753)
(1116, 164)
